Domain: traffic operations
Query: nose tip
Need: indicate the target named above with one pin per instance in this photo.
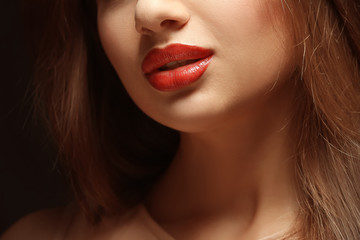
(154, 16)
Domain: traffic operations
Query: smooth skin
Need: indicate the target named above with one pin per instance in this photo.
(232, 177)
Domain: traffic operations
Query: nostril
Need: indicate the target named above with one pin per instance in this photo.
(168, 23)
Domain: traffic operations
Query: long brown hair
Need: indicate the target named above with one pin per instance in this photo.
(111, 151)
(114, 153)
(327, 38)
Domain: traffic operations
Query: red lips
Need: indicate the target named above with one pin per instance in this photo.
(175, 66)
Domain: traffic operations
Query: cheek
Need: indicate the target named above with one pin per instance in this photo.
(119, 38)
(238, 20)
(254, 54)
(121, 44)
(245, 33)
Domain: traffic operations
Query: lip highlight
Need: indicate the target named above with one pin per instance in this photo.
(156, 66)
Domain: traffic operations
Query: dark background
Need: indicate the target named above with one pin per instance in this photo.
(29, 177)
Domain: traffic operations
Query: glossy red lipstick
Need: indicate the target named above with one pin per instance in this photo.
(175, 66)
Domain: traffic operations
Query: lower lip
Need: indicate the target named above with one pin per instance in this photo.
(178, 78)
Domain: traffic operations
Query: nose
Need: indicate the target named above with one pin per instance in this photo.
(154, 16)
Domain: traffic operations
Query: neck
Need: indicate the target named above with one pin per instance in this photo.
(242, 170)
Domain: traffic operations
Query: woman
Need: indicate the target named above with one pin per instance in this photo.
(258, 105)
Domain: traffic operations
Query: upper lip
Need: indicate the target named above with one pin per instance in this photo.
(157, 57)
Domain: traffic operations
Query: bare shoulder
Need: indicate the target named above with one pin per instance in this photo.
(35, 226)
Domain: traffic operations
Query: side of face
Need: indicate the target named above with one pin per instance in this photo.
(251, 58)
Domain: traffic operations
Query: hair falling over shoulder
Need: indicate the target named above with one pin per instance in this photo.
(327, 37)
(114, 153)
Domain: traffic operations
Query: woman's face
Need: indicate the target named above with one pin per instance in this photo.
(234, 57)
